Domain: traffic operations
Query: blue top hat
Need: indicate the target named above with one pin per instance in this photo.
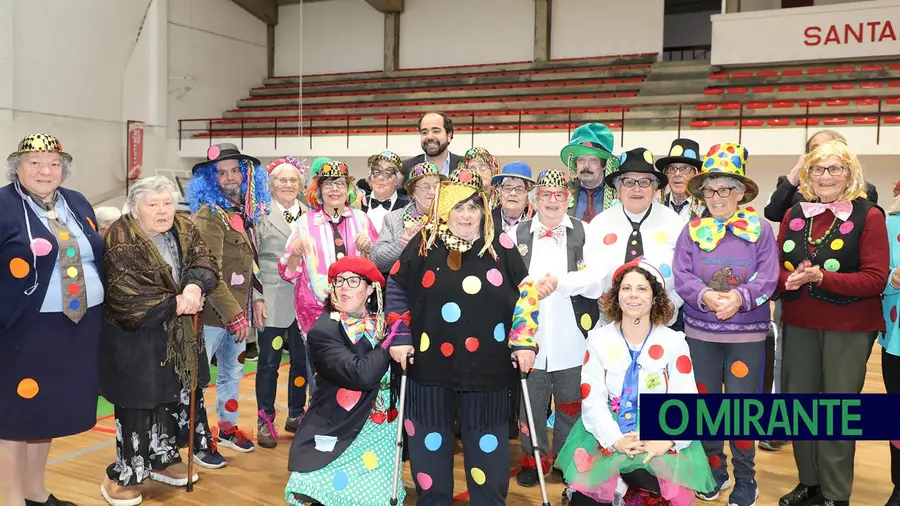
(519, 170)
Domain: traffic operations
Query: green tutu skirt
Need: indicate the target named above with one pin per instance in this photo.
(595, 473)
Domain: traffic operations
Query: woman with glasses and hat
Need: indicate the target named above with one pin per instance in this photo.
(402, 225)
(332, 230)
(52, 293)
(835, 263)
(682, 163)
(384, 180)
(636, 226)
(726, 270)
(465, 306)
(511, 187)
(342, 454)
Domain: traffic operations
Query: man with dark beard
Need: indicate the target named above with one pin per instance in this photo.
(435, 133)
(589, 158)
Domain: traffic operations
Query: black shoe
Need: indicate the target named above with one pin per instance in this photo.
(802, 496)
(773, 446)
(291, 425)
(829, 502)
(252, 352)
(51, 501)
(527, 478)
(894, 499)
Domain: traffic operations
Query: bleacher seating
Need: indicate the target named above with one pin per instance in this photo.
(632, 89)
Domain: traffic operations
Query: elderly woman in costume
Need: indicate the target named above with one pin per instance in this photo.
(726, 270)
(384, 179)
(487, 166)
(332, 230)
(51, 292)
(158, 272)
(636, 226)
(342, 454)
(106, 216)
(553, 245)
(402, 225)
(890, 339)
(273, 308)
(511, 186)
(835, 263)
(229, 195)
(604, 459)
(465, 305)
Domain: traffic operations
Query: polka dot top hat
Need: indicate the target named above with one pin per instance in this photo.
(682, 151)
(638, 160)
(725, 160)
(40, 143)
(224, 151)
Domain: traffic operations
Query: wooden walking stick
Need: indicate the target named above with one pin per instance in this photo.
(193, 406)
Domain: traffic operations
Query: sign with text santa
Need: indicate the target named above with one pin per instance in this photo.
(851, 30)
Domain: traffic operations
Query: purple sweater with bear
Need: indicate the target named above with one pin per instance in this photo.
(749, 268)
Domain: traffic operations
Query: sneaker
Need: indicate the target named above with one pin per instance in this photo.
(210, 459)
(264, 436)
(235, 439)
(773, 446)
(252, 353)
(174, 475)
(722, 483)
(117, 495)
(745, 493)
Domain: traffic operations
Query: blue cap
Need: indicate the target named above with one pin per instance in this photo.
(519, 170)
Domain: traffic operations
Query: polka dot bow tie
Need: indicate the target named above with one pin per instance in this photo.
(707, 233)
(556, 234)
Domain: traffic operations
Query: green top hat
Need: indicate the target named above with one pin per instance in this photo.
(591, 139)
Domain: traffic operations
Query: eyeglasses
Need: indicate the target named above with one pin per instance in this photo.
(546, 195)
(384, 174)
(513, 189)
(834, 170)
(683, 169)
(426, 188)
(643, 182)
(335, 183)
(723, 192)
(352, 281)
(283, 181)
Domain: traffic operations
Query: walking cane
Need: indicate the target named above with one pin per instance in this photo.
(193, 407)
(534, 443)
(398, 456)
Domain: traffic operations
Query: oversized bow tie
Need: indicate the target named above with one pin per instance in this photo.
(288, 217)
(707, 233)
(556, 234)
(841, 209)
(385, 204)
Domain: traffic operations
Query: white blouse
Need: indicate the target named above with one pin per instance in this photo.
(665, 367)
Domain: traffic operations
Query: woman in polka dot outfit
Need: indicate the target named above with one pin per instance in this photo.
(835, 263)
(52, 295)
(466, 310)
(343, 451)
(726, 270)
(604, 460)
(890, 339)
(158, 273)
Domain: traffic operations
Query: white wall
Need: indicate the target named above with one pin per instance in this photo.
(689, 29)
(759, 5)
(584, 28)
(328, 37)
(465, 32)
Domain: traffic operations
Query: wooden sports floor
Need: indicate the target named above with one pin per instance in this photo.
(77, 465)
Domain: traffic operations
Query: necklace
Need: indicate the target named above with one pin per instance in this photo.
(820, 240)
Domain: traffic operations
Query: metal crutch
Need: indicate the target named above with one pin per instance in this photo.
(534, 442)
(398, 456)
(192, 408)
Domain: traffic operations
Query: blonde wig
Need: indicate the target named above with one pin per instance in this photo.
(856, 183)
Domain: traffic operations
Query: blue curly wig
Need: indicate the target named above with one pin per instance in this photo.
(203, 189)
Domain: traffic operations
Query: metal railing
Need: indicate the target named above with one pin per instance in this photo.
(616, 117)
(686, 53)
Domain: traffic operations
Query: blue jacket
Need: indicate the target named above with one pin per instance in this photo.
(20, 306)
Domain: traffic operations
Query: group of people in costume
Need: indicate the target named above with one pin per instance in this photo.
(412, 301)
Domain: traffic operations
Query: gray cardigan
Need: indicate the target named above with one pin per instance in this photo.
(388, 248)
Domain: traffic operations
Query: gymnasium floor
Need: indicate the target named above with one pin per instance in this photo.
(77, 464)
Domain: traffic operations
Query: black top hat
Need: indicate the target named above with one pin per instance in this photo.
(637, 160)
(224, 151)
(682, 151)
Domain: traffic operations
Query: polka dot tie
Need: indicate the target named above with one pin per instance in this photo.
(635, 247)
(74, 297)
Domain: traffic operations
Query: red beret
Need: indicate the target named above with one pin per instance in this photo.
(356, 265)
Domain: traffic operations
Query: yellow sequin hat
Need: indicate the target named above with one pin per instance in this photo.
(461, 185)
(730, 160)
(40, 143)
